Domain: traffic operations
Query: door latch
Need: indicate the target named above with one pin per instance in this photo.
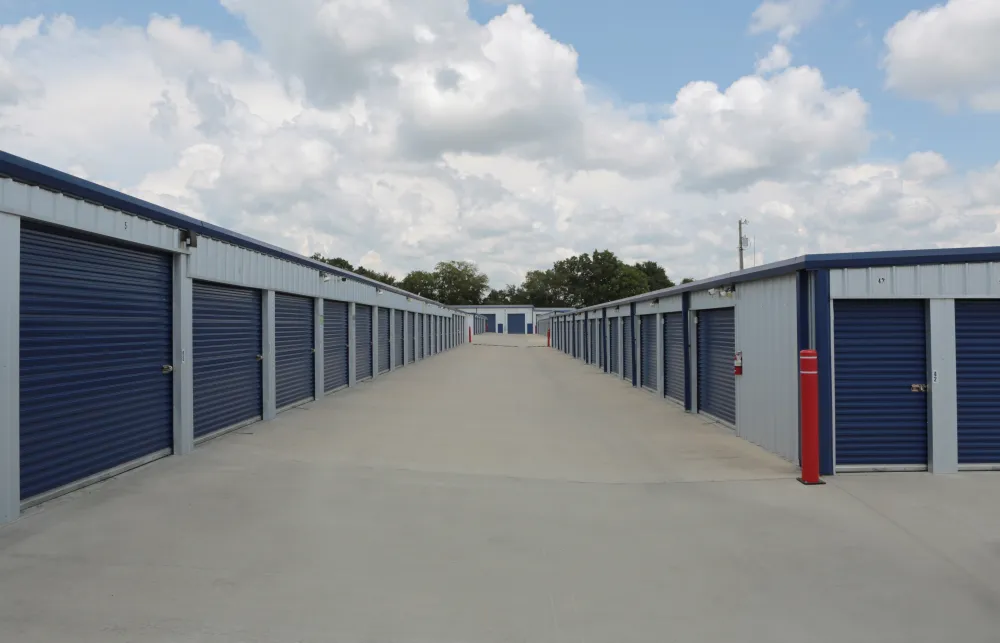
(260, 358)
(167, 368)
(918, 388)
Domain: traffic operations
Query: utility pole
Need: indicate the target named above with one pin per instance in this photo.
(743, 240)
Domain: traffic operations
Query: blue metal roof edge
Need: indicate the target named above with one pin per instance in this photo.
(25, 171)
(874, 259)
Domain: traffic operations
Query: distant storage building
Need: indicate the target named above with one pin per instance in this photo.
(129, 332)
(908, 345)
(510, 319)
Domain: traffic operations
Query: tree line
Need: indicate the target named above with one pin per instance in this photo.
(584, 280)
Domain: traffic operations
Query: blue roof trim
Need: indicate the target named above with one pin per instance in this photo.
(25, 171)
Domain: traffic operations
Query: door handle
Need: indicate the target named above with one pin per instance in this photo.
(918, 388)
(167, 368)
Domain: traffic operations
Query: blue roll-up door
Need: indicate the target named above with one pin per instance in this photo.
(400, 321)
(384, 345)
(434, 335)
(515, 323)
(674, 356)
(615, 345)
(363, 342)
(491, 323)
(500, 328)
(880, 351)
(294, 354)
(627, 346)
(531, 329)
(716, 347)
(977, 346)
(647, 349)
(95, 336)
(412, 320)
(228, 357)
(421, 335)
(336, 344)
(602, 337)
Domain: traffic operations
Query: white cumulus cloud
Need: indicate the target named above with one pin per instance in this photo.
(400, 133)
(948, 54)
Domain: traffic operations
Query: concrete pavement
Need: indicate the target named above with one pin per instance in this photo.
(501, 493)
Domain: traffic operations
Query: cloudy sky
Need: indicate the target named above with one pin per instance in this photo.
(405, 132)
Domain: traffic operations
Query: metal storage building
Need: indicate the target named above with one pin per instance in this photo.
(908, 345)
(129, 332)
(511, 319)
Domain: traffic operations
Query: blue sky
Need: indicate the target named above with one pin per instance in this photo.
(645, 50)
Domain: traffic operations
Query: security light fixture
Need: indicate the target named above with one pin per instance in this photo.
(189, 238)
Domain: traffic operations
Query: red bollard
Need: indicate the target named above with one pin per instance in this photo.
(548, 338)
(809, 438)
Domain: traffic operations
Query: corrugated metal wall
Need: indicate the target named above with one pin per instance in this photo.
(768, 391)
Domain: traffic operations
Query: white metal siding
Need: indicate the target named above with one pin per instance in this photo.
(768, 391)
(42, 205)
(701, 300)
(959, 280)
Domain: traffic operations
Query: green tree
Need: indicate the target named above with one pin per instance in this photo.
(687, 280)
(460, 283)
(656, 276)
(420, 282)
(336, 262)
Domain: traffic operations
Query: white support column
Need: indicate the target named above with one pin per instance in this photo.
(352, 349)
(942, 387)
(267, 344)
(658, 354)
(10, 386)
(692, 322)
(375, 356)
(183, 315)
(318, 345)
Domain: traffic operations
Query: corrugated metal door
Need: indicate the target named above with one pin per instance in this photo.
(673, 356)
(421, 335)
(977, 345)
(647, 348)
(400, 337)
(228, 357)
(880, 351)
(627, 345)
(363, 343)
(336, 342)
(531, 329)
(412, 317)
(615, 345)
(294, 354)
(491, 323)
(515, 323)
(384, 344)
(434, 335)
(96, 334)
(602, 338)
(716, 347)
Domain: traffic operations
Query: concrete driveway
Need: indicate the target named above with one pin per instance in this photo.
(497, 494)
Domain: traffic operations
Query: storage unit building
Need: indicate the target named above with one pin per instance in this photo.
(137, 332)
(908, 345)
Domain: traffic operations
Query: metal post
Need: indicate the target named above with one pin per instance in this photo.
(10, 350)
(809, 440)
